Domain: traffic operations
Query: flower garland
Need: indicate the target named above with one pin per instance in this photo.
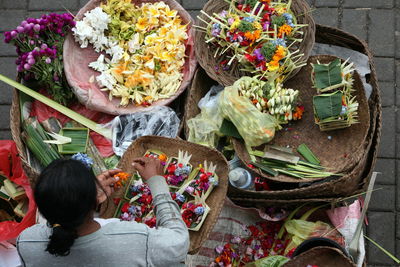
(192, 214)
(258, 34)
(39, 46)
(147, 48)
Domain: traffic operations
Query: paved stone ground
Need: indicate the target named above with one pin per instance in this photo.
(377, 21)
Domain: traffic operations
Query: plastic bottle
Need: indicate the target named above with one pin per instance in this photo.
(240, 178)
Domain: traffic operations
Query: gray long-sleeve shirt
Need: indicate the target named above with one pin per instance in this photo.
(118, 243)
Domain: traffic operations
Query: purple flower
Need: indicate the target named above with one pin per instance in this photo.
(219, 249)
(258, 54)
(20, 29)
(36, 28)
(27, 66)
(48, 60)
(14, 33)
(31, 61)
(265, 26)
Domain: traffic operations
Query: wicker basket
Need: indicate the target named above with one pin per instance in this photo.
(321, 256)
(338, 154)
(199, 153)
(205, 52)
(356, 179)
(78, 73)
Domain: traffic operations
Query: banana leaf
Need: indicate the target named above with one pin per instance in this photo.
(327, 75)
(328, 105)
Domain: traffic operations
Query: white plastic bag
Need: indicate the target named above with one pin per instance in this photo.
(159, 120)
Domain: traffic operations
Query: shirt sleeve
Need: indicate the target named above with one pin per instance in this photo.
(168, 243)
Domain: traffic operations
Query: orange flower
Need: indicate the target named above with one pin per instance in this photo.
(298, 113)
(284, 29)
(162, 157)
(123, 178)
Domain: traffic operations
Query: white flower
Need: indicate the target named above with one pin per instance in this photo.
(116, 52)
(97, 18)
(105, 79)
(99, 64)
(134, 44)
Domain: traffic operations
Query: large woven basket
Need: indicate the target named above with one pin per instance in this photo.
(171, 147)
(339, 150)
(205, 52)
(358, 176)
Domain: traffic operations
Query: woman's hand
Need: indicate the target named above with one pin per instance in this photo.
(148, 167)
(106, 182)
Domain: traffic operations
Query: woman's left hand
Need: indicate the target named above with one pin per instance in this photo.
(106, 181)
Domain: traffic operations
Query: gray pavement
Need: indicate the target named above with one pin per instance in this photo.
(376, 21)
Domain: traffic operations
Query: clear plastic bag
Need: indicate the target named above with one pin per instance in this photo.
(159, 120)
(204, 128)
(255, 127)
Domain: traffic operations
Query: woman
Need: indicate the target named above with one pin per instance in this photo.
(67, 194)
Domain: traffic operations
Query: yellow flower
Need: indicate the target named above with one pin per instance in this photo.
(154, 12)
(141, 24)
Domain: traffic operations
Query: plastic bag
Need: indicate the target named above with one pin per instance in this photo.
(255, 127)
(204, 128)
(10, 166)
(161, 121)
(302, 230)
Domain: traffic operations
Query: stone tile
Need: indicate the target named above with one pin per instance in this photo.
(53, 5)
(397, 65)
(13, 4)
(7, 68)
(387, 93)
(397, 32)
(194, 4)
(388, 138)
(5, 135)
(383, 199)
(5, 117)
(387, 168)
(398, 231)
(194, 14)
(355, 22)
(381, 29)
(384, 69)
(82, 3)
(38, 14)
(382, 230)
(326, 3)
(326, 16)
(6, 49)
(369, 3)
(10, 19)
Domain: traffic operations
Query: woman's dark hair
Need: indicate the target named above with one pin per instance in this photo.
(65, 193)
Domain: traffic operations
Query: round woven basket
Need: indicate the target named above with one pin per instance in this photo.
(78, 74)
(171, 147)
(321, 256)
(205, 52)
(357, 177)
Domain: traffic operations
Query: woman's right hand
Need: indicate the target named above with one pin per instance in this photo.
(148, 167)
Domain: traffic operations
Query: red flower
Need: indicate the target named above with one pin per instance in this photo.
(125, 207)
(250, 58)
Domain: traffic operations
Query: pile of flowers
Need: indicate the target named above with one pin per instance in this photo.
(145, 47)
(261, 241)
(258, 34)
(123, 178)
(272, 98)
(39, 44)
(178, 169)
(157, 155)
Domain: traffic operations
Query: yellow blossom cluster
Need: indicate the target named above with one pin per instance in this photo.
(153, 58)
